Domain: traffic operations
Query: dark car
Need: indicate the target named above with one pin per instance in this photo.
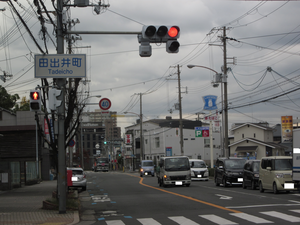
(229, 171)
(251, 174)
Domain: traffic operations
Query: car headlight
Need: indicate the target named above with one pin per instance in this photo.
(256, 175)
(279, 175)
(188, 177)
(142, 170)
(206, 173)
(166, 177)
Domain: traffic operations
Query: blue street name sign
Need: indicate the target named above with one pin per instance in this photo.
(60, 66)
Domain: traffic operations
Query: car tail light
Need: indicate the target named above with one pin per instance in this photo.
(84, 176)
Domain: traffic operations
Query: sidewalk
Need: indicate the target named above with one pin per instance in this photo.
(23, 206)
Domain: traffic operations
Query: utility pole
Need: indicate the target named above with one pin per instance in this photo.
(141, 129)
(224, 80)
(180, 112)
(61, 181)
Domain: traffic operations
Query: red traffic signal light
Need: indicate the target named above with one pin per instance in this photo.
(35, 95)
(35, 100)
(173, 32)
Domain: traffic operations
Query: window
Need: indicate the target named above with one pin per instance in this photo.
(206, 143)
(254, 135)
(157, 145)
(0, 115)
(243, 135)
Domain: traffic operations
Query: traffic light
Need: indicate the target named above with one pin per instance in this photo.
(172, 46)
(105, 142)
(53, 101)
(35, 100)
(160, 34)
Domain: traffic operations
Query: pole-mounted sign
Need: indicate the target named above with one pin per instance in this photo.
(105, 104)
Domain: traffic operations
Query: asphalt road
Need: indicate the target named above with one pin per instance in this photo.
(125, 198)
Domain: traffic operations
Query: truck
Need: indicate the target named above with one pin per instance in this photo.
(101, 164)
(296, 157)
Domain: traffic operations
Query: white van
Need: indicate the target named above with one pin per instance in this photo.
(199, 170)
(275, 173)
(174, 170)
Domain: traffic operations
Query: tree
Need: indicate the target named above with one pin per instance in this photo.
(8, 101)
(24, 105)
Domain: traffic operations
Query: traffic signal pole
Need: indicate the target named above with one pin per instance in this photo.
(61, 178)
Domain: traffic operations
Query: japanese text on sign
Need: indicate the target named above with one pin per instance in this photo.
(60, 66)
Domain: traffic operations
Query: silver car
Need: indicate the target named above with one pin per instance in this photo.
(78, 179)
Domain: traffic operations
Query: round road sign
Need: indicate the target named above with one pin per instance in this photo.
(105, 104)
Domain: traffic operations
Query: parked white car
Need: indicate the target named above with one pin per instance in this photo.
(199, 170)
(78, 179)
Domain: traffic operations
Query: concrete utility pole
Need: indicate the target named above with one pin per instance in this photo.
(224, 80)
(180, 113)
(61, 180)
(141, 129)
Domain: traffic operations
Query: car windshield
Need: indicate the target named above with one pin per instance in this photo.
(283, 164)
(235, 163)
(256, 166)
(176, 164)
(102, 160)
(147, 164)
(198, 164)
(77, 172)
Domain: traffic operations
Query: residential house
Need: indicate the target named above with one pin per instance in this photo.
(254, 140)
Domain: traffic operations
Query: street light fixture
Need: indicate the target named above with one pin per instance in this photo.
(224, 80)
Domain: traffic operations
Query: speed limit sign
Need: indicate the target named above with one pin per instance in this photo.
(105, 104)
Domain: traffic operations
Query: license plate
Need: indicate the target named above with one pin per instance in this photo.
(74, 178)
(240, 179)
(288, 185)
(199, 176)
(178, 182)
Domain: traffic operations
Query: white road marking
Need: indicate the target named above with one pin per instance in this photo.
(115, 222)
(224, 197)
(182, 220)
(255, 206)
(282, 216)
(148, 221)
(250, 218)
(217, 219)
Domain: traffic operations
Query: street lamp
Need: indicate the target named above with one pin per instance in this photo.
(141, 132)
(224, 80)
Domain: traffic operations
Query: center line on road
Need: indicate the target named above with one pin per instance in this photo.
(186, 197)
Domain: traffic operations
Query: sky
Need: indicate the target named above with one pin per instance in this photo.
(262, 56)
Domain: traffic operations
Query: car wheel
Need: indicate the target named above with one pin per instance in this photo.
(84, 188)
(216, 182)
(160, 182)
(275, 191)
(224, 182)
(261, 189)
(253, 187)
(141, 175)
(187, 185)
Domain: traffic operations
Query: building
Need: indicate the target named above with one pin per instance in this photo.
(23, 157)
(254, 141)
(161, 137)
(96, 129)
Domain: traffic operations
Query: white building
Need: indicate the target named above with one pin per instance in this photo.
(162, 138)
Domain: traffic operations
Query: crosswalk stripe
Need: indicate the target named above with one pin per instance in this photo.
(250, 218)
(217, 219)
(115, 222)
(282, 216)
(182, 220)
(148, 221)
(295, 210)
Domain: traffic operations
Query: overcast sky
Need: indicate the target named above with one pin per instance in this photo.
(261, 34)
